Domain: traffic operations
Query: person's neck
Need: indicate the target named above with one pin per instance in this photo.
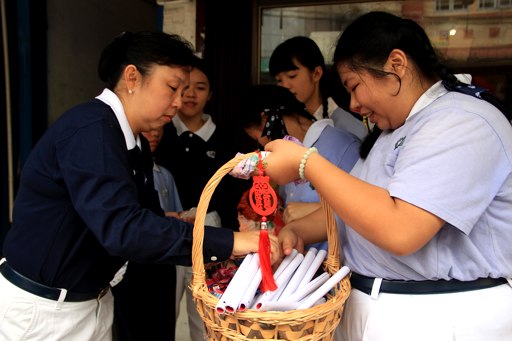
(313, 103)
(193, 123)
(297, 126)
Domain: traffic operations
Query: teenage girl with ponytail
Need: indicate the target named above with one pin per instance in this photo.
(424, 216)
(298, 65)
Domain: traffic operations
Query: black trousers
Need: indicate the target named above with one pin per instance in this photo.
(145, 303)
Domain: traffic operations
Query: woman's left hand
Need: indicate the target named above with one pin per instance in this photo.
(248, 242)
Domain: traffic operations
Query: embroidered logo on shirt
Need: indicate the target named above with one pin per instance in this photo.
(211, 154)
(399, 142)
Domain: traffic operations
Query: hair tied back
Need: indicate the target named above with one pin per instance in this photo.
(126, 36)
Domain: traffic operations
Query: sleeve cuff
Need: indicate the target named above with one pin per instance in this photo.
(218, 244)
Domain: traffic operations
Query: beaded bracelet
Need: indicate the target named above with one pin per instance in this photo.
(305, 158)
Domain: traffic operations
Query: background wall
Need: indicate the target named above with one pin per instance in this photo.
(77, 32)
(53, 48)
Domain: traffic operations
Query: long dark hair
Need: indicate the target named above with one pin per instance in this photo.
(367, 42)
(142, 49)
(275, 100)
(306, 52)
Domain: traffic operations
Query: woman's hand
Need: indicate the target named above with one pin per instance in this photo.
(172, 214)
(289, 240)
(247, 242)
(297, 210)
(282, 164)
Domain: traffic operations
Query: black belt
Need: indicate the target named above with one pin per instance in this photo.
(365, 284)
(50, 293)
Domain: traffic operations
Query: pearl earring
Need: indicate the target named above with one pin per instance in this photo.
(130, 91)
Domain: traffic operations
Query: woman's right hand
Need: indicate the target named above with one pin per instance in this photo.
(289, 240)
(282, 164)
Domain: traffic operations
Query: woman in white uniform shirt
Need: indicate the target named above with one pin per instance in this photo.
(427, 218)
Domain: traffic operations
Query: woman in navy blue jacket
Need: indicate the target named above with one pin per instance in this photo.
(86, 201)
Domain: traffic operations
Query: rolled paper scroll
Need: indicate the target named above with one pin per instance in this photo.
(236, 287)
(294, 282)
(306, 290)
(281, 281)
(286, 305)
(277, 306)
(310, 300)
(320, 301)
(250, 292)
(315, 265)
(286, 261)
(240, 287)
(249, 297)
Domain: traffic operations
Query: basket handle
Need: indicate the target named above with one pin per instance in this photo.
(199, 276)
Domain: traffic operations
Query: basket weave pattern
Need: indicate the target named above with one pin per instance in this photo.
(316, 323)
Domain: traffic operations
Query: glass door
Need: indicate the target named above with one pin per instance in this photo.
(473, 36)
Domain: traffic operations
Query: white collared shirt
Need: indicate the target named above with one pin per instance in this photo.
(111, 99)
(205, 132)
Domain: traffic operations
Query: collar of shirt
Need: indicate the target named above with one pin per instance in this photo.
(434, 92)
(111, 99)
(315, 131)
(205, 132)
(156, 167)
(331, 106)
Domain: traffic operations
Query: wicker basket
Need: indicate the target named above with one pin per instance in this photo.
(315, 323)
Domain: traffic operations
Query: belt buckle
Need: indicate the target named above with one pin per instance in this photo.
(103, 292)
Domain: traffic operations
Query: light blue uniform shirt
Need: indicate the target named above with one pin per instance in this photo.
(336, 145)
(453, 158)
(342, 119)
(166, 188)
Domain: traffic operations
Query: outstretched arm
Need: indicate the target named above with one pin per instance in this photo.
(390, 223)
(307, 230)
(248, 242)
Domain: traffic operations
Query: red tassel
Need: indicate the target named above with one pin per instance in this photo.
(263, 200)
(267, 276)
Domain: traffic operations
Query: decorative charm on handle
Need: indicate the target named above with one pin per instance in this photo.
(263, 200)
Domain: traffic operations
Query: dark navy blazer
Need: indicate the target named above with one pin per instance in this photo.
(77, 216)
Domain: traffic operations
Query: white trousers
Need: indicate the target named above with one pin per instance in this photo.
(24, 316)
(477, 315)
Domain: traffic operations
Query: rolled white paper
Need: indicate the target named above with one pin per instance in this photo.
(286, 261)
(288, 271)
(324, 289)
(277, 306)
(281, 281)
(250, 292)
(249, 296)
(297, 277)
(247, 275)
(320, 301)
(302, 292)
(236, 284)
(317, 262)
